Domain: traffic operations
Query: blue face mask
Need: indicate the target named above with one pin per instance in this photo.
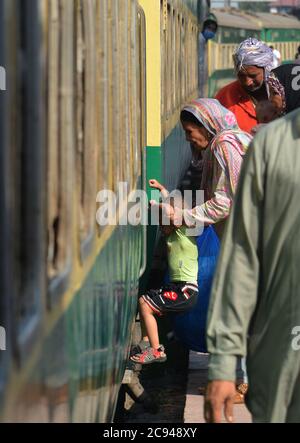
(207, 34)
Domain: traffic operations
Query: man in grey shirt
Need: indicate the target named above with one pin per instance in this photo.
(255, 300)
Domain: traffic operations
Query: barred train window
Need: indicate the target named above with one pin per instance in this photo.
(102, 95)
(169, 84)
(60, 143)
(111, 73)
(27, 174)
(133, 101)
(116, 103)
(86, 153)
(173, 64)
(123, 93)
(141, 90)
(163, 65)
(183, 61)
(5, 225)
(177, 60)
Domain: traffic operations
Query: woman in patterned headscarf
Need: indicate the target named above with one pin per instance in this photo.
(211, 127)
(253, 61)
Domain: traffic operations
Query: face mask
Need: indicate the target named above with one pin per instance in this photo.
(207, 34)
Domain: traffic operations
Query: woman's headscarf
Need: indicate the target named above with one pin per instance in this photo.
(283, 82)
(228, 140)
(253, 52)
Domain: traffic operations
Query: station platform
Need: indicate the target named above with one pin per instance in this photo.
(194, 404)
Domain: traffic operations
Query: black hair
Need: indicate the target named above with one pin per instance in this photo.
(208, 23)
(186, 116)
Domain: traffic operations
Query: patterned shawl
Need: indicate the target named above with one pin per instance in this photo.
(228, 139)
(284, 81)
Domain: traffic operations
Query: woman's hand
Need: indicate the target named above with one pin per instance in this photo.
(165, 209)
(168, 212)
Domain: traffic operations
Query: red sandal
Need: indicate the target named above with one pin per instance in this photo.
(150, 355)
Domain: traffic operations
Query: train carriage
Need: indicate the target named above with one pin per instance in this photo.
(73, 123)
(92, 100)
(281, 31)
(172, 80)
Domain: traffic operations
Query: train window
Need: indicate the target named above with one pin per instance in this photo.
(174, 60)
(102, 95)
(164, 51)
(121, 145)
(177, 61)
(183, 61)
(86, 152)
(169, 61)
(177, 49)
(5, 240)
(141, 93)
(187, 65)
(27, 176)
(163, 38)
(112, 116)
(60, 144)
(133, 101)
(188, 59)
(116, 103)
(127, 36)
(118, 131)
(194, 57)
(125, 97)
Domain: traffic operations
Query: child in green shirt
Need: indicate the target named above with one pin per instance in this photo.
(177, 296)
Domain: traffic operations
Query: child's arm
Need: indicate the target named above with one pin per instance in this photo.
(167, 211)
(155, 184)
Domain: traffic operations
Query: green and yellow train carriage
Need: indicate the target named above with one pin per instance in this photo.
(172, 80)
(280, 31)
(94, 91)
(73, 123)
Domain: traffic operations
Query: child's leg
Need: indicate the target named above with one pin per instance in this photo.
(148, 324)
(155, 352)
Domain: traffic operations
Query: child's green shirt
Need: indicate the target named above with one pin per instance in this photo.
(182, 256)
